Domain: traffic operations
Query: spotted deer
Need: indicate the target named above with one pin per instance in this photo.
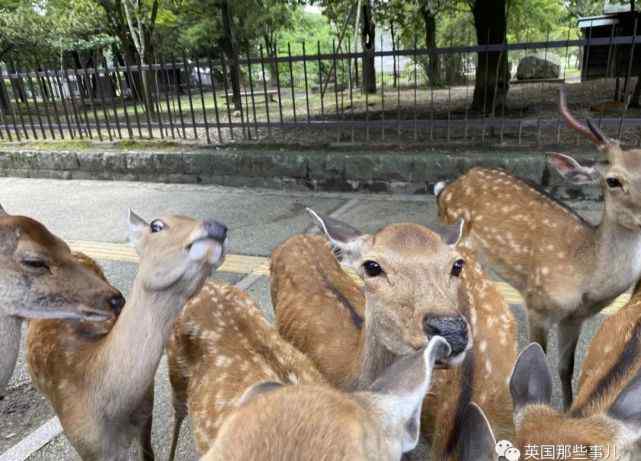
(101, 385)
(322, 311)
(222, 345)
(566, 269)
(310, 422)
(604, 421)
(39, 278)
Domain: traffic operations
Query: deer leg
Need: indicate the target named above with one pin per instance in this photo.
(569, 331)
(10, 332)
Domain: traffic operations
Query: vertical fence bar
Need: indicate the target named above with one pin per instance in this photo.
(134, 94)
(262, 70)
(178, 92)
(280, 99)
(81, 91)
(191, 101)
(102, 99)
(36, 105)
(320, 79)
(4, 121)
(72, 98)
(121, 86)
(17, 83)
(52, 92)
(213, 92)
(91, 89)
(350, 82)
(291, 79)
(146, 97)
(415, 59)
(63, 103)
(26, 100)
(167, 91)
(626, 100)
(397, 79)
(156, 104)
(335, 69)
(251, 92)
(202, 99)
(45, 99)
(306, 82)
(382, 92)
(226, 89)
(112, 85)
(244, 115)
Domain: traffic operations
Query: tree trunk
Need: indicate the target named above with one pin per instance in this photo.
(492, 77)
(636, 95)
(271, 52)
(230, 47)
(368, 35)
(4, 99)
(434, 60)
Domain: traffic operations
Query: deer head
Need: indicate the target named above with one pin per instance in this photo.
(412, 283)
(175, 250)
(538, 423)
(40, 277)
(620, 175)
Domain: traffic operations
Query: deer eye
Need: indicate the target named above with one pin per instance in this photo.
(156, 225)
(372, 268)
(613, 182)
(35, 263)
(457, 267)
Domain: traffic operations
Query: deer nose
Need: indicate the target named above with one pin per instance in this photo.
(116, 303)
(453, 329)
(216, 230)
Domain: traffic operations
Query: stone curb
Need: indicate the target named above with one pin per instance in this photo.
(329, 169)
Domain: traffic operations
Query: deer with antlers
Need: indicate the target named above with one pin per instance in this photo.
(101, 384)
(310, 422)
(566, 269)
(221, 346)
(606, 414)
(321, 310)
(39, 278)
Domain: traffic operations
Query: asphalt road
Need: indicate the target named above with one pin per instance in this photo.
(258, 220)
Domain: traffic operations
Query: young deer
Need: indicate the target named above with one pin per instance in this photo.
(477, 441)
(99, 385)
(321, 310)
(606, 414)
(222, 345)
(566, 269)
(39, 278)
(310, 422)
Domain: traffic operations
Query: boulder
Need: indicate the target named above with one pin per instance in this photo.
(539, 66)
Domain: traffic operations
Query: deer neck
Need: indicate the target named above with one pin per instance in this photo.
(10, 332)
(372, 357)
(617, 257)
(135, 343)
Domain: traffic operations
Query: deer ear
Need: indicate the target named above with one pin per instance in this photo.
(531, 381)
(627, 406)
(476, 442)
(137, 226)
(346, 241)
(399, 392)
(257, 389)
(453, 233)
(2, 212)
(572, 171)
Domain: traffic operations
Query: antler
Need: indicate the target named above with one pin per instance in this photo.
(593, 132)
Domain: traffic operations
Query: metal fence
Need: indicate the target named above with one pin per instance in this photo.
(317, 97)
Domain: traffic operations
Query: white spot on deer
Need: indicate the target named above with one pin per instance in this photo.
(545, 270)
(222, 361)
(483, 346)
(488, 367)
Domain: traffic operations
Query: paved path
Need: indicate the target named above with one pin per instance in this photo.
(91, 216)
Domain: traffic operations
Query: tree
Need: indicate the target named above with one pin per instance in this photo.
(492, 76)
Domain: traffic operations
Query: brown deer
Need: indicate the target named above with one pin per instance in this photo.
(321, 310)
(221, 346)
(311, 422)
(566, 269)
(604, 421)
(100, 385)
(39, 278)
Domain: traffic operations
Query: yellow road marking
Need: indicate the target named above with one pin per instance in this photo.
(240, 264)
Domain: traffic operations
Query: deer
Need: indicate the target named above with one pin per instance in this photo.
(306, 422)
(566, 269)
(100, 386)
(40, 279)
(322, 311)
(221, 345)
(477, 441)
(604, 421)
